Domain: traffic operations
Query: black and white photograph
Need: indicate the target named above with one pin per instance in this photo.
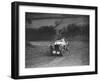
(55, 40)
(50, 40)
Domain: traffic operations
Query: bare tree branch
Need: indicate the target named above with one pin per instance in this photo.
(57, 23)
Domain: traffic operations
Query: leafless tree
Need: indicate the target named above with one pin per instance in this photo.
(58, 33)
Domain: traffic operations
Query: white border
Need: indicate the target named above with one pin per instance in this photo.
(37, 71)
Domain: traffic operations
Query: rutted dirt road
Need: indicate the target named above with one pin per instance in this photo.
(38, 55)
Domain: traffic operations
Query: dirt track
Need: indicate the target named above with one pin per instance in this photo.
(38, 55)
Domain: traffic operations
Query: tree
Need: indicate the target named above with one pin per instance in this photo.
(58, 34)
(70, 30)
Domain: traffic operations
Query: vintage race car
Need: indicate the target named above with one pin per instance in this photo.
(59, 47)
